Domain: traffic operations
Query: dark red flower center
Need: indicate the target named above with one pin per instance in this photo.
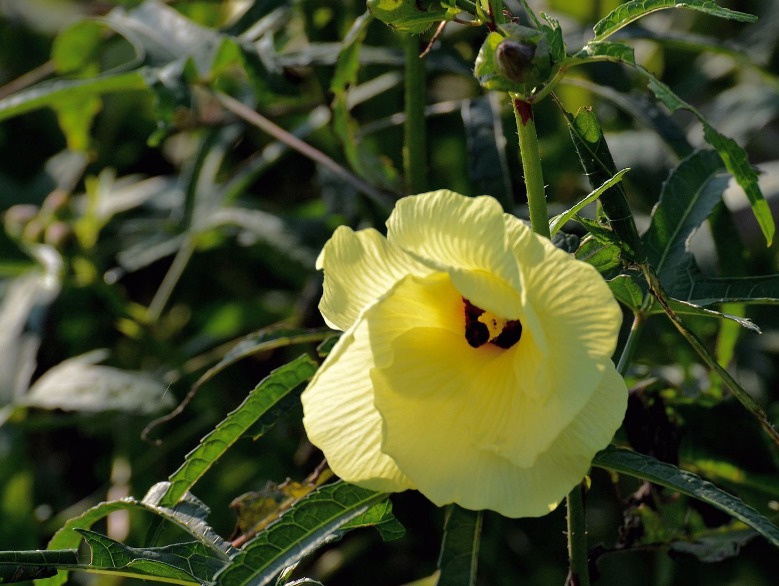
(478, 333)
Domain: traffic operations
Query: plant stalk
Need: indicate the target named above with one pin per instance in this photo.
(415, 136)
(531, 164)
(755, 408)
(578, 553)
(497, 11)
(631, 344)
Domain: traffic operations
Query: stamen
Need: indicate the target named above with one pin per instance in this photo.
(483, 326)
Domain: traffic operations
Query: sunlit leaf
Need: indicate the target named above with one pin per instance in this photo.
(264, 405)
(313, 521)
(631, 11)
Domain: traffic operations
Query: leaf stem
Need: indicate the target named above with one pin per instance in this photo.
(172, 277)
(531, 164)
(381, 198)
(466, 6)
(497, 12)
(578, 553)
(414, 139)
(745, 398)
(631, 344)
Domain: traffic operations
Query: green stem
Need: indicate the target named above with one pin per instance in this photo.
(414, 140)
(631, 344)
(172, 277)
(466, 6)
(755, 408)
(531, 164)
(578, 553)
(539, 220)
(497, 11)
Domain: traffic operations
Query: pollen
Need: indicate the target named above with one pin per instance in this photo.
(494, 324)
(482, 327)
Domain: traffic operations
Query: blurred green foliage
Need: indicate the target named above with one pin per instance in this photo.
(170, 229)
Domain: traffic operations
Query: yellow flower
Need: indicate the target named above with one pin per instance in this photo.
(475, 365)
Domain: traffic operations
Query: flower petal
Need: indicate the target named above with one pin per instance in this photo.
(359, 268)
(340, 418)
(339, 414)
(575, 319)
(464, 236)
(431, 433)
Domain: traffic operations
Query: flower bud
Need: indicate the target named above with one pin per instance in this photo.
(513, 59)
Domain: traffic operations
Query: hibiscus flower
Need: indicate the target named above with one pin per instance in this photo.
(475, 364)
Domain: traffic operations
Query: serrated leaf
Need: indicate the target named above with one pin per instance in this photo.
(687, 198)
(598, 165)
(381, 517)
(21, 566)
(628, 292)
(607, 51)
(486, 145)
(183, 562)
(647, 468)
(188, 515)
(409, 16)
(641, 107)
(260, 410)
(312, 522)
(734, 157)
(559, 220)
(631, 11)
(460, 547)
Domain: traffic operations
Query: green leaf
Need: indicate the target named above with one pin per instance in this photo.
(313, 521)
(181, 562)
(486, 146)
(644, 109)
(734, 157)
(599, 167)
(363, 161)
(188, 515)
(460, 547)
(559, 220)
(52, 93)
(258, 412)
(631, 11)
(409, 16)
(628, 292)
(381, 517)
(21, 566)
(77, 47)
(603, 257)
(687, 198)
(647, 468)
(606, 51)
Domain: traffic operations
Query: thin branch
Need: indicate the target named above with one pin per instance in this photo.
(381, 198)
